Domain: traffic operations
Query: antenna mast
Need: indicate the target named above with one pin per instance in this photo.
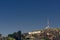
(48, 25)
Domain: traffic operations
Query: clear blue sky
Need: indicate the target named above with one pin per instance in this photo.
(28, 15)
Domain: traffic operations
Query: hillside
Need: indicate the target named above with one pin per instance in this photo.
(45, 34)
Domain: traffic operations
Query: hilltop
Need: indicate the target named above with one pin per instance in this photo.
(44, 34)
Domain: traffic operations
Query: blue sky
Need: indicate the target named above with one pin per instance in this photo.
(28, 15)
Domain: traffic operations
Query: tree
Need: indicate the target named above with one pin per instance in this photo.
(10, 35)
(19, 35)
